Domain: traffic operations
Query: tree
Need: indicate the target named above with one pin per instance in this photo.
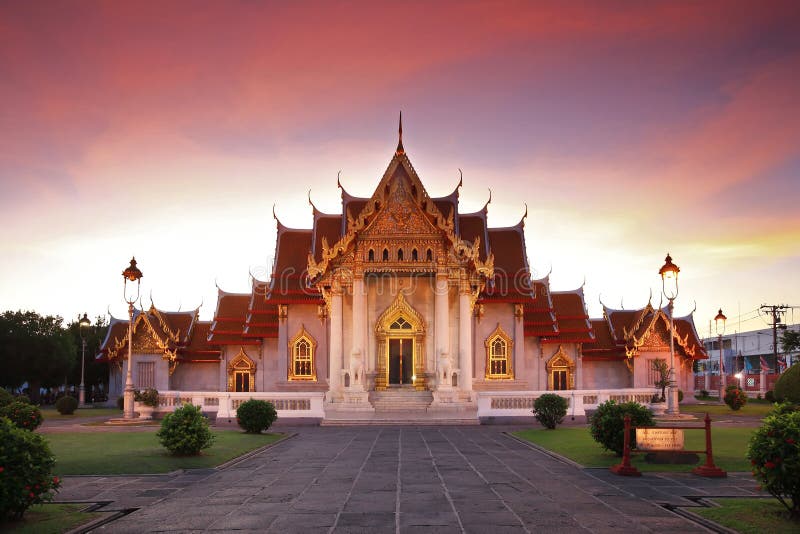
(790, 341)
(95, 373)
(662, 381)
(34, 349)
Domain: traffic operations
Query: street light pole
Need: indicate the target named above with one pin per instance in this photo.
(131, 274)
(719, 324)
(84, 322)
(669, 286)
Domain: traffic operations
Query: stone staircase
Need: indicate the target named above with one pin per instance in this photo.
(400, 399)
(402, 406)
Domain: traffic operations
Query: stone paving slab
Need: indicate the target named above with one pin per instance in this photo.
(404, 479)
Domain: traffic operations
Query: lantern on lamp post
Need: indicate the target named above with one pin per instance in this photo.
(719, 325)
(83, 326)
(132, 279)
(669, 286)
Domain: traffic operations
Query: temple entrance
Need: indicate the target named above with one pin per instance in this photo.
(400, 336)
(401, 361)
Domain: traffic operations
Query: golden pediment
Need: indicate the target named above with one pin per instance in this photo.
(400, 214)
(655, 340)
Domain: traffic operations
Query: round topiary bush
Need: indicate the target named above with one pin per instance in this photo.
(256, 415)
(680, 395)
(67, 405)
(769, 396)
(5, 397)
(608, 426)
(22, 414)
(550, 409)
(774, 454)
(185, 431)
(121, 402)
(735, 398)
(26, 466)
(787, 387)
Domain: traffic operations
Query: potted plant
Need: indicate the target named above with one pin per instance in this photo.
(146, 402)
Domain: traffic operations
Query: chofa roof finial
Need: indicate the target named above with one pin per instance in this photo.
(400, 150)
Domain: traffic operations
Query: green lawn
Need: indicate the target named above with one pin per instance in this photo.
(715, 410)
(730, 446)
(116, 453)
(751, 516)
(50, 518)
(50, 412)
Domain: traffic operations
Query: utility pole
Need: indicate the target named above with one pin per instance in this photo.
(775, 313)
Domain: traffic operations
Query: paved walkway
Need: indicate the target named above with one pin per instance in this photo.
(426, 479)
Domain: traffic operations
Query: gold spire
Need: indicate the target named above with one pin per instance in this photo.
(400, 150)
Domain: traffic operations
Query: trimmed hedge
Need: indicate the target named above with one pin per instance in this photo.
(608, 425)
(550, 410)
(67, 405)
(185, 431)
(24, 415)
(256, 415)
(787, 387)
(26, 466)
(735, 398)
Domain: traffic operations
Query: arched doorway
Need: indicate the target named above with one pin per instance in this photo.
(242, 373)
(400, 334)
(560, 371)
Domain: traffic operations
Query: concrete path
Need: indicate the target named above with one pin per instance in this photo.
(410, 479)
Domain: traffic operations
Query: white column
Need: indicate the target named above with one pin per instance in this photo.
(357, 367)
(335, 349)
(519, 341)
(441, 336)
(283, 343)
(465, 340)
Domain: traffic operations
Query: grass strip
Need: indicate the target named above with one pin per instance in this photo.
(121, 453)
(51, 413)
(50, 518)
(576, 443)
(751, 409)
(750, 516)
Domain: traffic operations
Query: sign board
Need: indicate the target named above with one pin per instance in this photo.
(662, 439)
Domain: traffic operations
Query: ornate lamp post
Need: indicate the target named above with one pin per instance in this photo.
(719, 325)
(669, 286)
(132, 276)
(83, 324)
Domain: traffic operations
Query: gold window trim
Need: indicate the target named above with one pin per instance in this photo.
(384, 332)
(293, 345)
(560, 361)
(499, 333)
(242, 363)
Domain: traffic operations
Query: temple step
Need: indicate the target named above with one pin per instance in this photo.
(400, 400)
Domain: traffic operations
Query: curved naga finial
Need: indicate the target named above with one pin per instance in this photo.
(490, 197)
(584, 282)
(274, 216)
(338, 179)
(650, 298)
(526, 216)
(694, 309)
(460, 178)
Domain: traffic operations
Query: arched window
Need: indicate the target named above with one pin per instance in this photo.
(429, 255)
(498, 355)
(414, 255)
(399, 254)
(386, 254)
(371, 256)
(301, 350)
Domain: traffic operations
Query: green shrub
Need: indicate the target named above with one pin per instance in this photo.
(121, 402)
(550, 409)
(769, 396)
(67, 405)
(256, 415)
(25, 470)
(148, 397)
(784, 408)
(5, 397)
(23, 398)
(680, 395)
(735, 398)
(22, 414)
(608, 426)
(787, 387)
(185, 431)
(703, 394)
(774, 453)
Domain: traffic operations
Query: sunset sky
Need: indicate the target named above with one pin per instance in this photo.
(167, 130)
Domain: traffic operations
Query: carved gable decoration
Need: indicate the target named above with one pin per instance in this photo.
(145, 343)
(655, 340)
(400, 213)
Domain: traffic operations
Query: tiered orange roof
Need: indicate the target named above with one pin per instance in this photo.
(228, 325)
